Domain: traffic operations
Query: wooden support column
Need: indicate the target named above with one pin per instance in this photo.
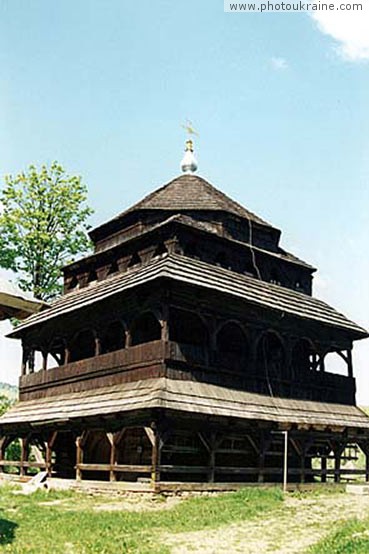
(66, 355)
(157, 444)
(24, 447)
(3, 442)
(323, 467)
(366, 453)
(365, 449)
(113, 456)
(337, 463)
(49, 451)
(31, 361)
(79, 454)
(264, 445)
(211, 444)
(44, 361)
(25, 354)
(305, 447)
(350, 369)
(97, 346)
(165, 323)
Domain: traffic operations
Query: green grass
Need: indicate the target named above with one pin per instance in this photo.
(352, 537)
(73, 527)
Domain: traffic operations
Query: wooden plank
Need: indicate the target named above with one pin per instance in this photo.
(115, 468)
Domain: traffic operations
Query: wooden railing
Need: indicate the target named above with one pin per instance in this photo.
(194, 362)
(90, 368)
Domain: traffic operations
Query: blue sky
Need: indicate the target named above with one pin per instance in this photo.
(280, 102)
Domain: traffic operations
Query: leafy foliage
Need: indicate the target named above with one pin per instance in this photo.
(42, 226)
(5, 404)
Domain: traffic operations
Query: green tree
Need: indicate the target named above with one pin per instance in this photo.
(5, 404)
(43, 226)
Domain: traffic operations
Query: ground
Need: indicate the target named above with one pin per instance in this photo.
(298, 524)
(251, 521)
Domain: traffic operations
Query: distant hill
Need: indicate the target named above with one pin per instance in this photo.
(10, 391)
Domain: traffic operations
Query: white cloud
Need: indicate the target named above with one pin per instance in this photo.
(279, 64)
(349, 29)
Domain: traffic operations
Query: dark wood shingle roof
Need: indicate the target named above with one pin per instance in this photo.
(188, 193)
(183, 396)
(194, 272)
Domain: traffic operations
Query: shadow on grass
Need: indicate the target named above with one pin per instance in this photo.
(7, 531)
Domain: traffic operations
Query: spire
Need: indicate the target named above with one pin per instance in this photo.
(189, 162)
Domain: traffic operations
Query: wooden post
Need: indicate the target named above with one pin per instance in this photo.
(23, 460)
(337, 463)
(366, 453)
(323, 467)
(79, 457)
(211, 445)
(305, 447)
(157, 444)
(44, 361)
(264, 445)
(350, 369)
(25, 354)
(31, 361)
(285, 461)
(2, 452)
(165, 323)
(155, 460)
(49, 451)
(66, 355)
(113, 456)
(97, 346)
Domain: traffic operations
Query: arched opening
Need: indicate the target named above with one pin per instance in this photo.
(271, 357)
(145, 328)
(114, 338)
(32, 459)
(304, 357)
(160, 250)
(96, 450)
(57, 351)
(65, 455)
(82, 346)
(335, 363)
(189, 331)
(184, 448)
(73, 283)
(12, 453)
(92, 276)
(222, 260)
(248, 268)
(135, 260)
(134, 449)
(38, 360)
(113, 268)
(191, 250)
(299, 285)
(232, 346)
(275, 277)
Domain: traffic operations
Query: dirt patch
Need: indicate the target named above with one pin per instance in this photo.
(300, 523)
(138, 505)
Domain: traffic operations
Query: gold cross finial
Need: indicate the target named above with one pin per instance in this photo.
(189, 128)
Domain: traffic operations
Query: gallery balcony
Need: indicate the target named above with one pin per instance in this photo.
(182, 361)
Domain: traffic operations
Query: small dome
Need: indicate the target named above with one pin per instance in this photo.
(189, 162)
